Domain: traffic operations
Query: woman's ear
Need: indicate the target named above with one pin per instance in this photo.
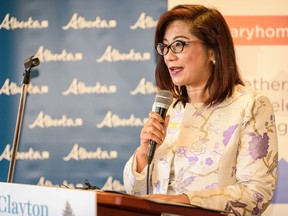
(211, 56)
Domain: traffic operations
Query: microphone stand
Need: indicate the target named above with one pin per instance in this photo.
(28, 63)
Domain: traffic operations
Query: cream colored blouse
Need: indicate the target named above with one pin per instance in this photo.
(224, 157)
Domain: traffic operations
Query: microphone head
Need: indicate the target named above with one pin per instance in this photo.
(31, 62)
(163, 99)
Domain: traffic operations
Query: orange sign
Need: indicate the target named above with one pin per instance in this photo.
(258, 30)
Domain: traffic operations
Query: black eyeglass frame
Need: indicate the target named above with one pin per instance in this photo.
(183, 43)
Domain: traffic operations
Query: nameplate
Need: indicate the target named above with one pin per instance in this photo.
(27, 200)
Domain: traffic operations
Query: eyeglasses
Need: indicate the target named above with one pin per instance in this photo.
(176, 47)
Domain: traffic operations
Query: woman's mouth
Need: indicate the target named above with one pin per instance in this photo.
(175, 70)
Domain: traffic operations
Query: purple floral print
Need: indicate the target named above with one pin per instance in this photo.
(209, 161)
(228, 133)
(157, 185)
(212, 186)
(192, 159)
(181, 152)
(258, 146)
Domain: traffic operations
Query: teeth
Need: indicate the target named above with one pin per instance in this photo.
(175, 68)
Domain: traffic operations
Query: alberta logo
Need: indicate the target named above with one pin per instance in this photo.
(68, 211)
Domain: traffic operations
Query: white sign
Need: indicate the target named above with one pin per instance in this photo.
(30, 200)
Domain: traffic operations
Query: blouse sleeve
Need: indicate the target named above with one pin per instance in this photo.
(256, 166)
(134, 182)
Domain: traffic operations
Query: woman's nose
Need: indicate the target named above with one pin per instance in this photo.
(170, 56)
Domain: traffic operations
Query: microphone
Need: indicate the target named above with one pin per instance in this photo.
(31, 62)
(90, 187)
(162, 102)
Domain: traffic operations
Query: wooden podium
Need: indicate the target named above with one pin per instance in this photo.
(22, 199)
(112, 203)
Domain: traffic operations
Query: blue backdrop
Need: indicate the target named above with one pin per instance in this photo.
(89, 96)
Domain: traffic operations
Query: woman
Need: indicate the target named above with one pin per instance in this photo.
(217, 147)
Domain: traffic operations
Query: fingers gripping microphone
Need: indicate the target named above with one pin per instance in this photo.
(162, 102)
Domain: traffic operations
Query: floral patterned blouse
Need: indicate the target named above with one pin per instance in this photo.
(223, 158)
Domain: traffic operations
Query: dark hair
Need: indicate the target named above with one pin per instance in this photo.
(211, 28)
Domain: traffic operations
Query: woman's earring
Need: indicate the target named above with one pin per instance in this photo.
(214, 62)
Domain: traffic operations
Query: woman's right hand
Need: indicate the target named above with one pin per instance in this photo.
(154, 129)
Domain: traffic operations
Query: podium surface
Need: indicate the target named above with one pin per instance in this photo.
(26, 200)
(109, 203)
